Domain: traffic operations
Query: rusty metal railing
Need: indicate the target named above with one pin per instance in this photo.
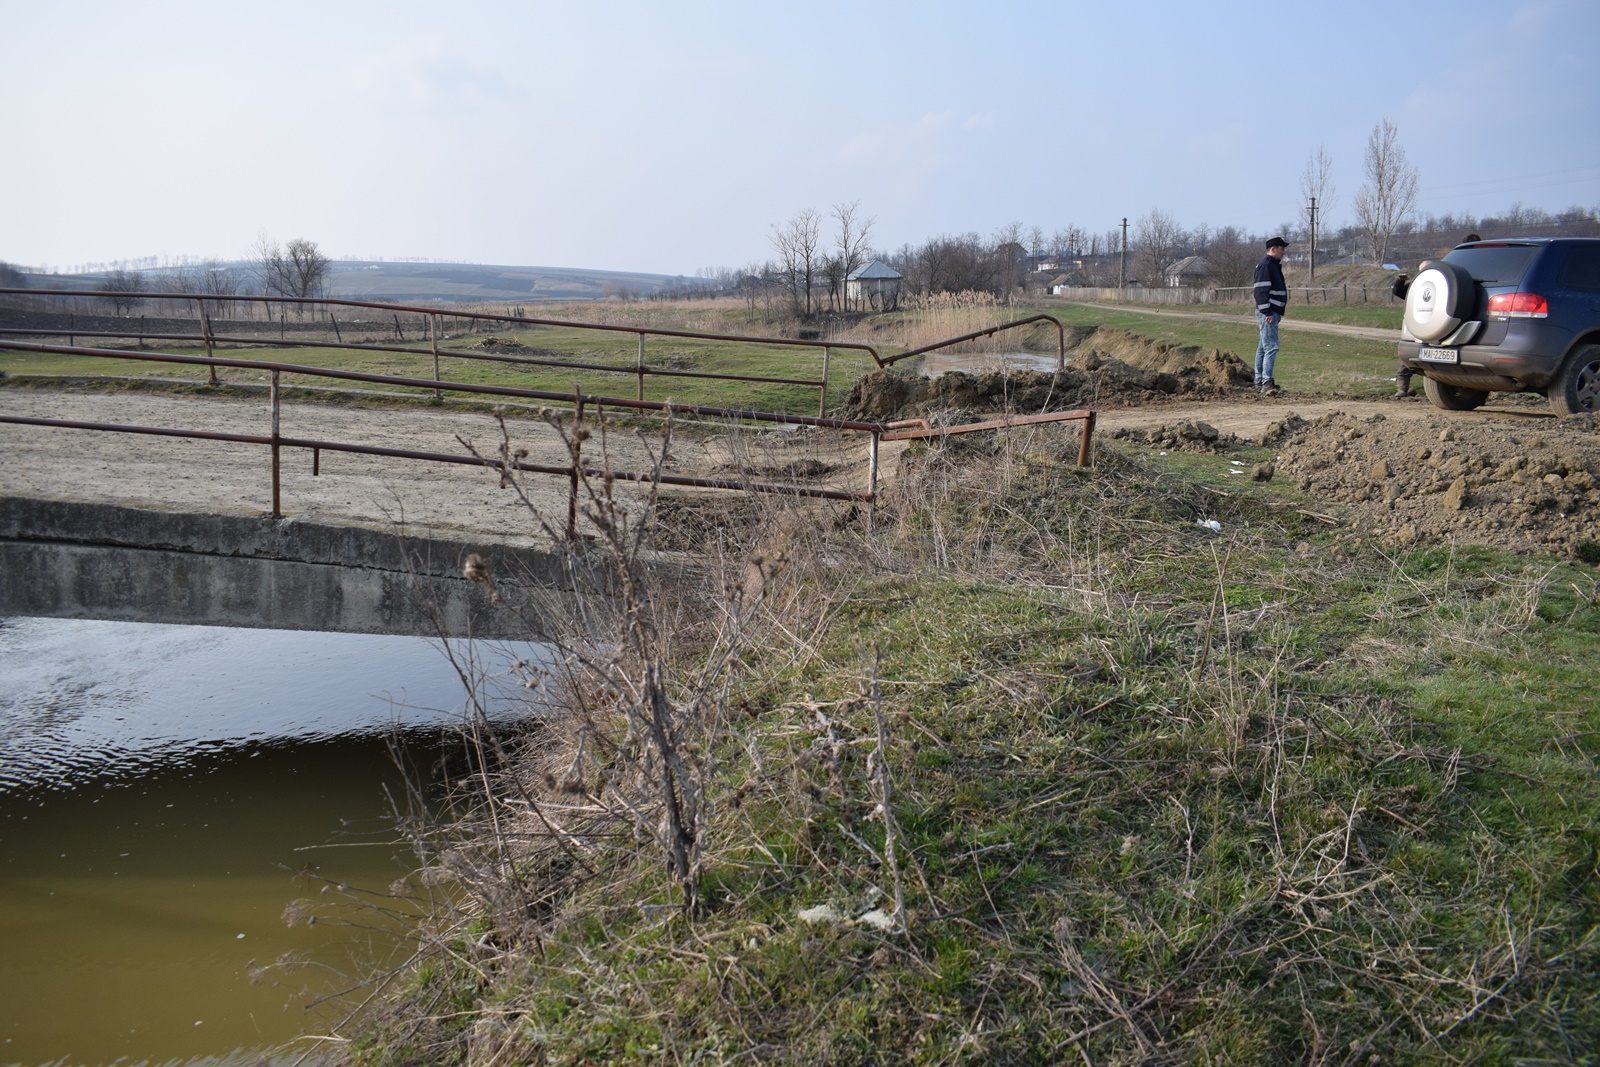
(1061, 340)
(434, 315)
(640, 370)
(573, 471)
(576, 469)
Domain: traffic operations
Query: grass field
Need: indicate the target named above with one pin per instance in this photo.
(1042, 772)
(1308, 362)
(463, 363)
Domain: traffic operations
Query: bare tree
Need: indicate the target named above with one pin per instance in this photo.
(11, 277)
(1317, 181)
(797, 245)
(1390, 195)
(1231, 257)
(1158, 241)
(124, 287)
(298, 269)
(305, 268)
(854, 232)
(1009, 256)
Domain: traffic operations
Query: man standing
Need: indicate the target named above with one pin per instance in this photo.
(1272, 295)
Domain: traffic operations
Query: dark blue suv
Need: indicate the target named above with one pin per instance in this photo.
(1518, 315)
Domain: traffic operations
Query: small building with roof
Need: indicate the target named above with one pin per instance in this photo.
(875, 286)
(1188, 271)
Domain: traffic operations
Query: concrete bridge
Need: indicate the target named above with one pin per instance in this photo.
(62, 559)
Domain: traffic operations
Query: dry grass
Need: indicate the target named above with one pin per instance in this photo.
(1036, 771)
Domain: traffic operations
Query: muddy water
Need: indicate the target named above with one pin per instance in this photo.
(167, 793)
(936, 363)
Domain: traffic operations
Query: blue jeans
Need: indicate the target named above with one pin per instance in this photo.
(1267, 349)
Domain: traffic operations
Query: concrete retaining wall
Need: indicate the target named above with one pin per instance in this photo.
(74, 560)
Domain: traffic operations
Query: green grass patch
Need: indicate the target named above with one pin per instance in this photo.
(1154, 795)
(1307, 362)
(675, 361)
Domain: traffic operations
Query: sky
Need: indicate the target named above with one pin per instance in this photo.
(672, 137)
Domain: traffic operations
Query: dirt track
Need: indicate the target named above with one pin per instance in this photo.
(1288, 323)
(1509, 474)
(185, 475)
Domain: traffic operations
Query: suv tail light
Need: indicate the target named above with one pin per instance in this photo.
(1519, 306)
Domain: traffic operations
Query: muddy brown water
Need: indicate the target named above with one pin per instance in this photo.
(167, 795)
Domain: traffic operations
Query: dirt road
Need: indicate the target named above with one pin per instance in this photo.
(1508, 474)
(181, 474)
(1289, 322)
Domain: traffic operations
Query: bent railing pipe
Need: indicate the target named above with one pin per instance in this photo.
(1061, 340)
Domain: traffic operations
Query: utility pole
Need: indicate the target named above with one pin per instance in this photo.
(1313, 238)
(1122, 262)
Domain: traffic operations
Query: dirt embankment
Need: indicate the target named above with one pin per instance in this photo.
(1527, 485)
(1498, 478)
(1107, 368)
(1508, 476)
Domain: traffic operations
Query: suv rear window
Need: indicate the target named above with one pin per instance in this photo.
(1495, 264)
(1582, 269)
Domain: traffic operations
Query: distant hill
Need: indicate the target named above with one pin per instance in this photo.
(477, 283)
(425, 282)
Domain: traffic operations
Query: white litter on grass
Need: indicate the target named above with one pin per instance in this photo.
(822, 913)
(876, 918)
(827, 913)
(1211, 524)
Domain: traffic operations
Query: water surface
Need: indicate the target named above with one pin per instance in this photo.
(167, 793)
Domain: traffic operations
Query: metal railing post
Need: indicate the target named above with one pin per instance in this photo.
(1061, 347)
(277, 503)
(205, 331)
(433, 338)
(822, 404)
(577, 454)
(1083, 446)
(872, 479)
(641, 366)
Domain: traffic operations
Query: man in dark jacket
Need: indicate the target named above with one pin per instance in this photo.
(1271, 297)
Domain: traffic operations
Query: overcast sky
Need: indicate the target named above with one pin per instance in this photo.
(668, 137)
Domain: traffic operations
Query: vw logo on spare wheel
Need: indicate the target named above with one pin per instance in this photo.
(1426, 294)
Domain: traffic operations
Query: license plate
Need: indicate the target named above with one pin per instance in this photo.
(1429, 354)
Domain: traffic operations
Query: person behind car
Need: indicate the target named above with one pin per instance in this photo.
(1272, 296)
(1402, 286)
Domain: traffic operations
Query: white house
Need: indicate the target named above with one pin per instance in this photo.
(874, 286)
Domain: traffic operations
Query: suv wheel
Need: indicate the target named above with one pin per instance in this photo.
(1576, 389)
(1453, 397)
(1441, 299)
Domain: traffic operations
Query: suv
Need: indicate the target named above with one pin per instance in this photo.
(1517, 315)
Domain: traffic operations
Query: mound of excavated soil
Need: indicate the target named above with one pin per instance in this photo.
(1185, 435)
(1108, 368)
(1520, 485)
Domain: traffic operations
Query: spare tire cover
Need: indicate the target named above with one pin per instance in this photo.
(1439, 300)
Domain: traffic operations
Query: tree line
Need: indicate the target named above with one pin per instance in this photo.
(296, 269)
(817, 254)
